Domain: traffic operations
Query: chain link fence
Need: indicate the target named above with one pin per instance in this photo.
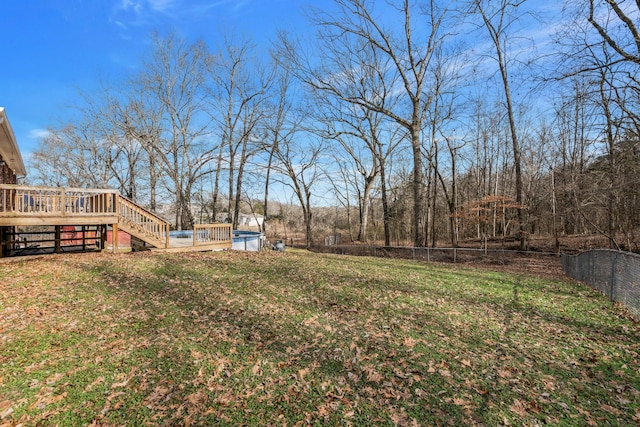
(522, 261)
(615, 273)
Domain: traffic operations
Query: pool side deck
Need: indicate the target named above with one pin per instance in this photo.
(180, 244)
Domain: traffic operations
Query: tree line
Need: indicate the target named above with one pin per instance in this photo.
(418, 121)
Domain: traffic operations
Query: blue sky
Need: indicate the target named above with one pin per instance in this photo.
(54, 49)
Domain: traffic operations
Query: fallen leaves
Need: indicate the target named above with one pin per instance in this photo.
(95, 383)
(372, 375)
(519, 408)
(180, 340)
(6, 409)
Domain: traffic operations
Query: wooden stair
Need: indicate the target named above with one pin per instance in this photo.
(142, 223)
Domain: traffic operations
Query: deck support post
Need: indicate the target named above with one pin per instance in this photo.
(3, 238)
(103, 237)
(114, 238)
(58, 240)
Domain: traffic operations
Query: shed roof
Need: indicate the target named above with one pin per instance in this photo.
(9, 146)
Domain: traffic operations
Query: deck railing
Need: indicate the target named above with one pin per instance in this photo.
(207, 234)
(39, 201)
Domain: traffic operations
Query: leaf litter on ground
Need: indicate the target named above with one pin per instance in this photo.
(298, 338)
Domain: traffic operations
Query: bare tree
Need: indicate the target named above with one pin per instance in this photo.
(574, 118)
(111, 115)
(344, 182)
(497, 18)
(143, 121)
(239, 90)
(368, 140)
(611, 131)
(482, 177)
(445, 76)
(601, 47)
(174, 75)
(367, 137)
(346, 40)
(73, 156)
(616, 22)
(298, 162)
(280, 127)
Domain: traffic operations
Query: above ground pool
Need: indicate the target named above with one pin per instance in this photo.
(241, 240)
(247, 240)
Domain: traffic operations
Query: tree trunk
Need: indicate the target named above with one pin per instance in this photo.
(417, 219)
(385, 203)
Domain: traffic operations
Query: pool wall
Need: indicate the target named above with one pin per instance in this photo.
(247, 240)
(241, 240)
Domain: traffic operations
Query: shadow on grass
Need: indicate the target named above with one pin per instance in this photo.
(341, 322)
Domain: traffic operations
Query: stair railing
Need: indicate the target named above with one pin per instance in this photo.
(142, 221)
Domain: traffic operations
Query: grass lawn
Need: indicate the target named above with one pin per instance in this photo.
(296, 338)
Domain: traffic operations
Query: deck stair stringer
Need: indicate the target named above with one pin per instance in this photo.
(142, 223)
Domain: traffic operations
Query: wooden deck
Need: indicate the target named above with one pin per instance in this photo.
(25, 206)
(32, 206)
